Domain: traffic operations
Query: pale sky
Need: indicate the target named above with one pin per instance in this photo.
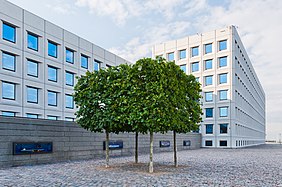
(129, 28)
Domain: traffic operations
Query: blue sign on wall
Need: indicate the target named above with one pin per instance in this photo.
(21, 148)
(165, 143)
(186, 143)
(113, 145)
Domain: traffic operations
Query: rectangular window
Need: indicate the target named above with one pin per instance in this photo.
(32, 95)
(222, 61)
(52, 98)
(170, 56)
(69, 56)
(52, 49)
(69, 78)
(208, 64)
(52, 74)
(223, 95)
(208, 48)
(8, 90)
(209, 128)
(34, 116)
(32, 68)
(97, 65)
(208, 143)
(197, 79)
(208, 80)
(52, 117)
(182, 54)
(222, 45)
(8, 113)
(9, 32)
(223, 128)
(223, 78)
(209, 112)
(223, 143)
(195, 51)
(84, 61)
(32, 41)
(195, 66)
(223, 111)
(183, 68)
(8, 61)
(69, 119)
(69, 101)
(208, 96)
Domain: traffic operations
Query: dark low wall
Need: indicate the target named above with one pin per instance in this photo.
(71, 142)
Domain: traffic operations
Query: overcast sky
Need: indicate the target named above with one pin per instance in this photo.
(129, 28)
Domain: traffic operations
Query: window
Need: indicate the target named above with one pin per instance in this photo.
(8, 113)
(208, 48)
(34, 116)
(32, 68)
(52, 74)
(8, 90)
(183, 68)
(52, 49)
(223, 143)
(69, 101)
(52, 98)
(208, 143)
(69, 78)
(208, 96)
(195, 66)
(32, 95)
(69, 119)
(84, 61)
(69, 56)
(195, 51)
(209, 112)
(209, 128)
(223, 111)
(223, 128)
(223, 61)
(97, 65)
(223, 78)
(52, 117)
(9, 33)
(182, 54)
(8, 61)
(170, 56)
(208, 80)
(222, 45)
(32, 41)
(208, 64)
(223, 95)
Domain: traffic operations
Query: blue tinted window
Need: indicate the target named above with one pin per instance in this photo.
(96, 65)
(9, 33)
(52, 98)
(32, 41)
(195, 51)
(208, 80)
(195, 66)
(69, 56)
(7, 113)
(208, 64)
(52, 117)
(183, 68)
(223, 78)
(182, 54)
(52, 49)
(84, 61)
(69, 101)
(8, 90)
(69, 78)
(223, 61)
(170, 56)
(8, 61)
(34, 116)
(209, 128)
(52, 74)
(32, 95)
(223, 128)
(208, 48)
(208, 96)
(209, 112)
(223, 95)
(32, 68)
(223, 111)
(222, 45)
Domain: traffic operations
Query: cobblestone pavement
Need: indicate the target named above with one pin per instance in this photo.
(255, 166)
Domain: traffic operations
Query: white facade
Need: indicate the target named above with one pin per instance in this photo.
(20, 30)
(233, 100)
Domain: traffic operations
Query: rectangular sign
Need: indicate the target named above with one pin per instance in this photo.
(186, 143)
(165, 143)
(23, 148)
(113, 145)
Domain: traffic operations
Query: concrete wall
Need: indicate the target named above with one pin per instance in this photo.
(71, 142)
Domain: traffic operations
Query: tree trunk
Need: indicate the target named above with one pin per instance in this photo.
(107, 149)
(136, 147)
(175, 149)
(151, 169)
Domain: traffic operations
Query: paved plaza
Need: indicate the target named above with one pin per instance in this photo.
(254, 166)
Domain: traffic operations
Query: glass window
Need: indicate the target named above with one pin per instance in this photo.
(208, 48)
(97, 65)
(52, 74)
(32, 68)
(209, 112)
(223, 111)
(35, 116)
(208, 80)
(69, 78)
(222, 45)
(52, 49)
(223, 78)
(52, 117)
(170, 56)
(8, 90)
(182, 54)
(69, 101)
(69, 56)
(195, 66)
(208, 64)
(197, 79)
(8, 61)
(69, 119)
(208, 143)
(223, 61)
(32, 41)
(183, 68)
(8, 113)
(223, 95)
(9, 32)
(223, 128)
(209, 128)
(32, 95)
(84, 61)
(223, 143)
(195, 51)
(52, 98)
(208, 96)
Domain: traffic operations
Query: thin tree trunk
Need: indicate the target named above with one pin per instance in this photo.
(175, 149)
(136, 147)
(107, 149)
(151, 169)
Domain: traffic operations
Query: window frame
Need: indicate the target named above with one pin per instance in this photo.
(192, 51)
(68, 95)
(8, 112)
(72, 81)
(15, 32)
(48, 117)
(87, 61)
(37, 89)
(220, 95)
(197, 64)
(208, 60)
(52, 67)
(37, 64)
(206, 80)
(31, 114)
(56, 94)
(98, 63)
(223, 107)
(72, 51)
(181, 67)
(219, 61)
(55, 44)
(219, 45)
(220, 128)
(207, 113)
(221, 141)
(37, 38)
(14, 90)
(206, 48)
(180, 52)
(15, 64)
(168, 55)
(220, 76)
(211, 96)
(207, 144)
(209, 132)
